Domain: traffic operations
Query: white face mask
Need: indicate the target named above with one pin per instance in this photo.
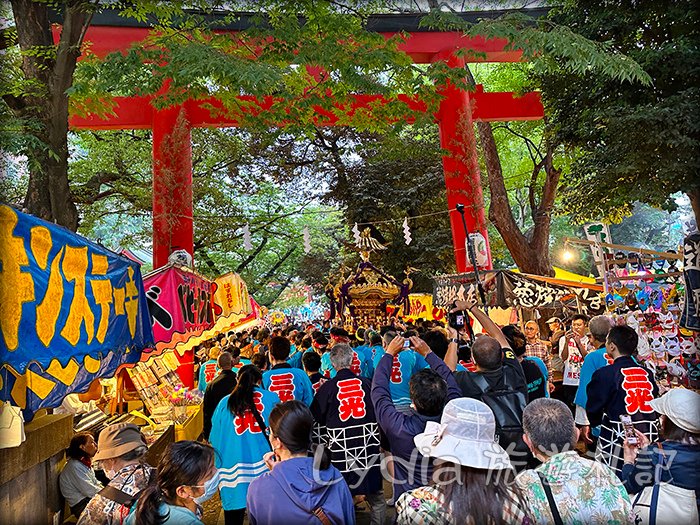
(109, 473)
(210, 488)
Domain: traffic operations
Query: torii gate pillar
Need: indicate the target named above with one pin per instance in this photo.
(172, 184)
(461, 165)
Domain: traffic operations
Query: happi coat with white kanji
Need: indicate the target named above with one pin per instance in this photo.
(624, 387)
(346, 424)
(240, 445)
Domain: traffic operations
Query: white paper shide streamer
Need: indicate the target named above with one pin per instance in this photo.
(356, 234)
(307, 240)
(247, 241)
(406, 231)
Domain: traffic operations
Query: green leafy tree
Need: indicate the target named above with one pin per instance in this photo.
(112, 177)
(34, 83)
(548, 47)
(639, 141)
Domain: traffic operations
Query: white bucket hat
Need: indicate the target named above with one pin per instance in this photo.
(682, 406)
(465, 435)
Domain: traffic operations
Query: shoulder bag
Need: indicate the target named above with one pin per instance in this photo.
(664, 503)
(550, 499)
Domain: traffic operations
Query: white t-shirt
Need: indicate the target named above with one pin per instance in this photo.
(572, 365)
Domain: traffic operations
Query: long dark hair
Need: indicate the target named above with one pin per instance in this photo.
(182, 463)
(292, 423)
(671, 432)
(241, 399)
(477, 495)
(74, 451)
(517, 340)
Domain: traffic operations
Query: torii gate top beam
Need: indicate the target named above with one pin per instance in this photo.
(111, 32)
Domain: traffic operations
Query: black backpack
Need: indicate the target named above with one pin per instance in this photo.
(507, 405)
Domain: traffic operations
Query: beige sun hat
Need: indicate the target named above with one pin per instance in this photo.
(682, 406)
(118, 439)
(465, 435)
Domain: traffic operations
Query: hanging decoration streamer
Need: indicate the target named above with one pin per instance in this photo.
(406, 231)
(356, 234)
(247, 242)
(307, 240)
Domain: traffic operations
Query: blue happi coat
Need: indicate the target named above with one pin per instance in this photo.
(405, 364)
(361, 364)
(207, 372)
(240, 445)
(294, 384)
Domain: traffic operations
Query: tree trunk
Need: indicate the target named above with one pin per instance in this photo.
(252, 256)
(531, 255)
(285, 285)
(48, 194)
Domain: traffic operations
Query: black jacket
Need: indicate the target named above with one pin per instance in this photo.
(623, 388)
(344, 413)
(221, 386)
(511, 368)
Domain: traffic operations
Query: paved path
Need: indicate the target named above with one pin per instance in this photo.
(213, 515)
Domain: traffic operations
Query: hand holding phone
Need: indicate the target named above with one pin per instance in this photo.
(457, 320)
(630, 434)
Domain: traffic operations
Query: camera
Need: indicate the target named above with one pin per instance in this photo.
(407, 343)
(457, 320)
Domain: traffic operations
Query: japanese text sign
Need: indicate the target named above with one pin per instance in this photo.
(180, 302)
(70, 311)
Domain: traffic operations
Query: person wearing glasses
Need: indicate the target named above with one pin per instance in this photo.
(536, 347)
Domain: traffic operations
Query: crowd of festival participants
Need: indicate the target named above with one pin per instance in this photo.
(303, 424)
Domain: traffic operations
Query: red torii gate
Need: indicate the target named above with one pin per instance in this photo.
(172, 210)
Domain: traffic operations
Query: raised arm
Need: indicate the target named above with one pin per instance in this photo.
(387, 416)
(469, 305)
(451, 357)
(439, 366)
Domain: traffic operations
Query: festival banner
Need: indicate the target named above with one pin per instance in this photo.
(233, 309)
(690, 315)
(509, 289)
(180, 302)
(71, 311)
(231, 296)
(421, 306)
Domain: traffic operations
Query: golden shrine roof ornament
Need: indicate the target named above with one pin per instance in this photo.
(362, 297)
(368, 244)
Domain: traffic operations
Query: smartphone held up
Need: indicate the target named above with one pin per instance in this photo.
(630, 434)
(457, 319)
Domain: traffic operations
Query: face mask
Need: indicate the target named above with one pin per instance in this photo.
(210, 488)
(99, 465)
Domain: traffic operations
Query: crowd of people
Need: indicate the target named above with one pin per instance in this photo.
(304, 424)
